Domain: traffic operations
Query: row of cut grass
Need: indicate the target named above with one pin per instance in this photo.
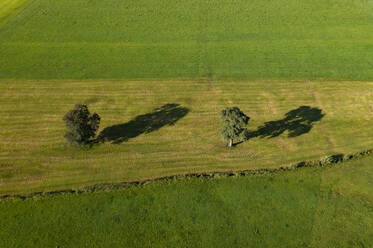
(112, 39)
(35, 157)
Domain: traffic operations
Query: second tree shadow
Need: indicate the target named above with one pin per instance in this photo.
(297, 122)
(168, 114)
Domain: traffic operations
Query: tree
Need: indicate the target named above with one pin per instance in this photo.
(234, 122)
(81, 125)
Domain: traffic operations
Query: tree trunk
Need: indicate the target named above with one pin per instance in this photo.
(230, 143)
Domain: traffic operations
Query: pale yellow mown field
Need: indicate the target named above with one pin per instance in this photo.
(34, 155)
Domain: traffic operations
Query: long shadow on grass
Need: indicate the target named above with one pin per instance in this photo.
(168, 114)
(297, 122)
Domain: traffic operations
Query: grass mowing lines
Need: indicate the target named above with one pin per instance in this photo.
(190, 39)
(186, 135)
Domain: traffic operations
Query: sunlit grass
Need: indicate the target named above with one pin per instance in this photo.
(9, 8)
(35, 156)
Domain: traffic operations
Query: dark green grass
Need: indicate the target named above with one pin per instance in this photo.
(313, 207)
(68, 39)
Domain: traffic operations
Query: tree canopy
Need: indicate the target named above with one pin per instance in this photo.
(234, 122)
(81, 125)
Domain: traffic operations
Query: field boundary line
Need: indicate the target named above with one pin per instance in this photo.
(329, 160)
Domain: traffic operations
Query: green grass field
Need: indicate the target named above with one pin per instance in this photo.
(34, 155)
(323, 207)
(298, 39)
(9, 8)
(158, 72)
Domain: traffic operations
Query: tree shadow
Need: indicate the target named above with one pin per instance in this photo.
(168, 114)
(297, 122)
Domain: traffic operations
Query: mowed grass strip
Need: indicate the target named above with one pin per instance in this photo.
(298, 39)
(9, 8)
(183, 136)
(312, 207)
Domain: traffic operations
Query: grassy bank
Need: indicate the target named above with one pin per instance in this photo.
(189, 39)
(311, 207)
(182, 137)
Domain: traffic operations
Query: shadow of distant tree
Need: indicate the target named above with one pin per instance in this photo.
(297, 122)
(168, 114)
